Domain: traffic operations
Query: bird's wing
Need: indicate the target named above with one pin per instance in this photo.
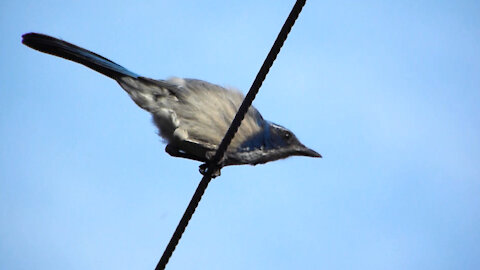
(193, 110)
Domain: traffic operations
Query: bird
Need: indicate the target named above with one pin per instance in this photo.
(191, 115)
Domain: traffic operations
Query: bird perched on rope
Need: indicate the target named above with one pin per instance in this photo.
(192, 116)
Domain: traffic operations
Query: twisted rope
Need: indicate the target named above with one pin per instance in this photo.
(213, 164)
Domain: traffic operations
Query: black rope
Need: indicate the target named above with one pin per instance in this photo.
(247, 102)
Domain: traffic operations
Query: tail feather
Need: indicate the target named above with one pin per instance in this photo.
(57, 47)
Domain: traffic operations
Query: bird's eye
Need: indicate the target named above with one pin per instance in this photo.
(287, 135)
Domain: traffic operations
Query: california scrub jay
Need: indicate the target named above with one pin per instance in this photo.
(191, 115)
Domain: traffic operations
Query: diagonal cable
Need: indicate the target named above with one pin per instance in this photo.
(213, 164)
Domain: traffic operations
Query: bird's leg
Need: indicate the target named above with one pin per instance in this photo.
(175, 152)
(204, 167)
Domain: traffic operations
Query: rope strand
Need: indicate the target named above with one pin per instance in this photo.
(213, 164)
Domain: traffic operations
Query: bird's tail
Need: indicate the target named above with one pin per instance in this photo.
(57, 47)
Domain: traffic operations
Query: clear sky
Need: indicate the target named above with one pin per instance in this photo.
(387, 91)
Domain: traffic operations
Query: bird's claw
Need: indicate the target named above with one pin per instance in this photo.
(204, 169)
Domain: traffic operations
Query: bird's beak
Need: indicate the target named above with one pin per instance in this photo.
(305, 151)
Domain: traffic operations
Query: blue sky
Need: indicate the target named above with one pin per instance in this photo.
(386, 91)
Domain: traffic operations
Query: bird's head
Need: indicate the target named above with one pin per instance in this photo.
(282, 141)
(273, 143)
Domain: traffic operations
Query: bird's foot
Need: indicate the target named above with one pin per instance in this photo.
(204, 170)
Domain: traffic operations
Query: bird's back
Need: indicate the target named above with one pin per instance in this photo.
(192, 109)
